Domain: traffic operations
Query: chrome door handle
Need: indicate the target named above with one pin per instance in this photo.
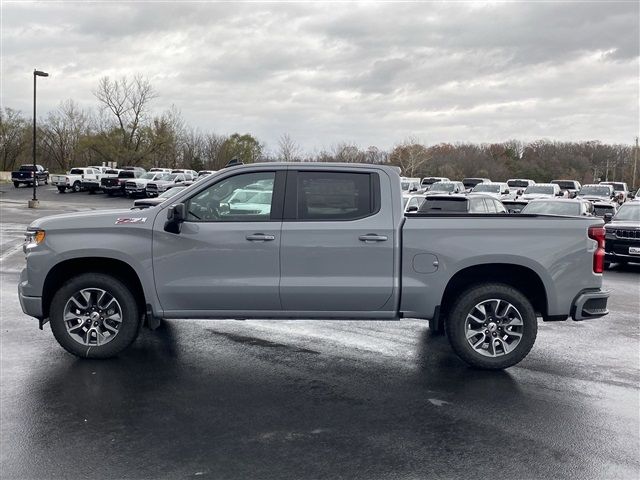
(260, 237)
(372, 237)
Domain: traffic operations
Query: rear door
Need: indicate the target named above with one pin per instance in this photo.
(337, 251)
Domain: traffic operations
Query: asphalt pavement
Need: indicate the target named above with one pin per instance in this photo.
(312, 399)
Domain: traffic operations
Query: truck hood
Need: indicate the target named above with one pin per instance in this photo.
(92, 219)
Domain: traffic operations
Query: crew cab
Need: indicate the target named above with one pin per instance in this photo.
(620, 191)
(74, 178)
(113, 185)
(28, 174)
(138, 186)
(332, 244)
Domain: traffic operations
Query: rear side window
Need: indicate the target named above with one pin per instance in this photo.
(334, 195)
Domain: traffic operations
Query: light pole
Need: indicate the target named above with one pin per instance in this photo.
(36, 73)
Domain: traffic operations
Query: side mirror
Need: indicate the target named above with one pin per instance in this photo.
(412, 209)
(413, 189)
(175, 216)
(631, 195)
(560, 194)
(608, 217)
(516, 210)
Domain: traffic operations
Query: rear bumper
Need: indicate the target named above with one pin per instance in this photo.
(590, 304)
(614, 257)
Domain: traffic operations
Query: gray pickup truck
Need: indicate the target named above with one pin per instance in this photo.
(323, 241)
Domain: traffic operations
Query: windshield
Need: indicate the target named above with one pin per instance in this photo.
(127, 174)
(595, 190)
(565, 184)
(27, 168)
(441, 205)
(553, 208)
(442, 187)
(486, 187)
(540, 189)
(471, 182)
(149, 176)
(628, 213)
(111, 172)
(518, 183)
(429, 181)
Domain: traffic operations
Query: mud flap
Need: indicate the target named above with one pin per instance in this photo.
(152, 321)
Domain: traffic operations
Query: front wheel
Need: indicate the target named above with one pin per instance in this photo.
(492, 326)
(16, 184)
(77, 186)
(62, 189)
(94, 315)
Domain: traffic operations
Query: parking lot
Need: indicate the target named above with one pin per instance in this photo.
(312, 399)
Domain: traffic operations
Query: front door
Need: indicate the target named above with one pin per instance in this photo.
(227, 254)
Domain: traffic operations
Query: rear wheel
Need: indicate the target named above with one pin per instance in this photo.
(492, 326)
(62, 189)
(94, 315)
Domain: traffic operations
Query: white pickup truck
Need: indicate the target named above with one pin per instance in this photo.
(324, 241)
(74, 179)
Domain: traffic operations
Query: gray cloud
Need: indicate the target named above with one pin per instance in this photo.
(368, 73)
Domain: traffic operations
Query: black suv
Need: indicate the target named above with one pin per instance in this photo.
(622, 240)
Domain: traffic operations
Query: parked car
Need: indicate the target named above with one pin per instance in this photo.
(426, 182)
(471, 182)
(514, 206)
(409, 185)
(605, 210)
(91, 183)
(153, 201)
(331, 247)
(517, 186)
(116, 185)
(73, 180)
(499, 191)
(167, 181)
(461, 204)
(188, 174)
(559, 206)
(29, 175)
(623, 235)
(412, 203)
(542, 190)
(445, 187)
(620, 191)
(205, 173)
(138, 186)
(571, 187)
(597, 193)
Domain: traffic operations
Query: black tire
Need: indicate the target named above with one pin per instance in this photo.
(62, 189)
(607, 265)
(77, 186)
(110, 193)
(46, 181)
(464, 305)
(92, 191)
(129, 327)
(16, 184)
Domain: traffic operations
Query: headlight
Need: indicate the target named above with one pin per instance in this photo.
(33, 238)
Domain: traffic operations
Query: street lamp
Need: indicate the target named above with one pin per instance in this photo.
(36, 73)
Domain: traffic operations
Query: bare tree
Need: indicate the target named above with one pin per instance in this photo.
(410, 156)
(13, 137)
(61, 134)
(128, 102)
(289, 150)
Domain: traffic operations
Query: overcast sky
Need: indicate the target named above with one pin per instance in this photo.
(373, 74)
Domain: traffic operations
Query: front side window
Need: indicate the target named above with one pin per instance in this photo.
(334, 196)
(241, 198)
(477, 206)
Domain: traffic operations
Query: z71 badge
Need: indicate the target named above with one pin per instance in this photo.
(120, 221)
